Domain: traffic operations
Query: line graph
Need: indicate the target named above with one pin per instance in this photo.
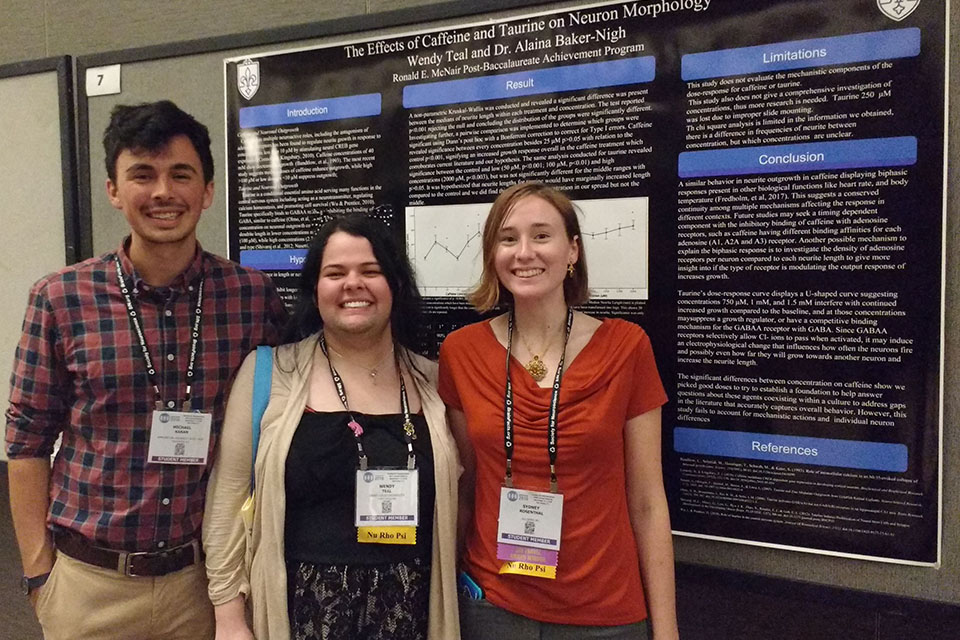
(443, 247)
(606, 232)
(444, 243)
(616, 241)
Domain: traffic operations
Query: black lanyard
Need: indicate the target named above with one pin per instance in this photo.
(409, 431)
(554, 406)
(138, 329)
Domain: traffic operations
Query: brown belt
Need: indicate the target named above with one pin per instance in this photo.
(140, 563)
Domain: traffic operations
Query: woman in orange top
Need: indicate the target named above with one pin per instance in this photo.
(563, 516)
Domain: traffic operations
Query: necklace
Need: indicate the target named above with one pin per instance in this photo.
(373, 371)
(536, 367)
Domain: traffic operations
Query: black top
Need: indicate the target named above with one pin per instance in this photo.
(321, 484)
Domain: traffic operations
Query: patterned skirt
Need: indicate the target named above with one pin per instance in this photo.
(342, 602)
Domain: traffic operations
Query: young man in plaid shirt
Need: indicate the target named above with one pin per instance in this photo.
(129, 356)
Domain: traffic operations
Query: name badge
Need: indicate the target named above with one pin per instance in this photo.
(528, 533)
(387, 506)
(179, 437)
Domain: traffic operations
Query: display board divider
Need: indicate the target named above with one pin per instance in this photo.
(63, 65)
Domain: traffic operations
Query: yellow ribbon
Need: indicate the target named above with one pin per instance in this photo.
(530, 569)
(387, 535)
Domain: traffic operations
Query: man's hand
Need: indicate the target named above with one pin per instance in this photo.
(231, 621)
(29, 500)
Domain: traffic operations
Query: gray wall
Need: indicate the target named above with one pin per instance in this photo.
(31, 29)
(37, 28)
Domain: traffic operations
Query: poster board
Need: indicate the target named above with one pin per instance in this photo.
(768, 203)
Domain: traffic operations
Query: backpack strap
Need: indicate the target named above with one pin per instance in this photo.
(262, 377)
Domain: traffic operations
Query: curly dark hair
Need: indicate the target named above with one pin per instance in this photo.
(387, 249)
(150, 127)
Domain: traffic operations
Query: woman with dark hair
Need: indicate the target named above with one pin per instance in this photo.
(556, 414)
(355, 473)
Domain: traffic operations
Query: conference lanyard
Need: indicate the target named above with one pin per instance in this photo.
(148, 360)
(409, 431)
(554, 406)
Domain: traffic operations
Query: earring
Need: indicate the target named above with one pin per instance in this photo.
(570, 270)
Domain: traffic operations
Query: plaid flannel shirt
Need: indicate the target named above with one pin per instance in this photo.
(79, 370)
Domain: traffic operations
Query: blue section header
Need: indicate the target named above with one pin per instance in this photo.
(273, 259)
(527, 83)
(817, 52)
(310, 111)
(810, 156)
(852, 454)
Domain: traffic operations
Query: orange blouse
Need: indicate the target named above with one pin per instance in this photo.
(613, 379)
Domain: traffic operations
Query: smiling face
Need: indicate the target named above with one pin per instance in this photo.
(533, 251)
(353, 295)
(162, 193)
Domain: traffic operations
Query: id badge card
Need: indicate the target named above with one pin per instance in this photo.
(387, 506)
(179, 437)
(528, 533)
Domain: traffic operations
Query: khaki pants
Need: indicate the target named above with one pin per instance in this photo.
(83, 601)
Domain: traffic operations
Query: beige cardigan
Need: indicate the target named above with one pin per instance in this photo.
(256, 567)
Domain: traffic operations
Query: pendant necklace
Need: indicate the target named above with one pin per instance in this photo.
(536, 366)
(371, 371)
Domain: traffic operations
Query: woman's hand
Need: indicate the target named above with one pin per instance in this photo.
(232, 621)
(240, 633)
(650, 519)
(458, 427)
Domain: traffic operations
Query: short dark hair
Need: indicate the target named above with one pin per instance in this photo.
(149, 127)
(405, 310)
(489, 292)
